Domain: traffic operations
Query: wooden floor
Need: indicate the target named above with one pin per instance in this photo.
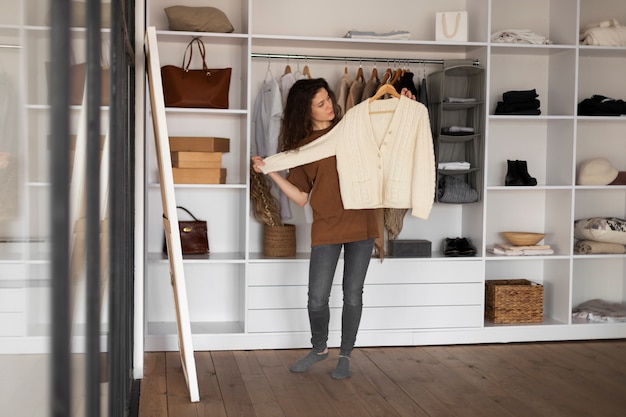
(571, 379)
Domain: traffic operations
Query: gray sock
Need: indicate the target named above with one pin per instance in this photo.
(305, 363)
(342, 371)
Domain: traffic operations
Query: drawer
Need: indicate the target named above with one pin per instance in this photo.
(295, 296)
(374, 318)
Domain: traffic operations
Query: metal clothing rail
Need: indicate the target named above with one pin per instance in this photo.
(353, 59)
(9, 46)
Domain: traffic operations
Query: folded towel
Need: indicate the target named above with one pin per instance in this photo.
(600, 310)
(363, 34)
(591, 246)
(508, 246)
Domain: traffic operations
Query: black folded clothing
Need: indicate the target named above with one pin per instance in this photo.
(520, 96)
(506, 107)
(598, 105)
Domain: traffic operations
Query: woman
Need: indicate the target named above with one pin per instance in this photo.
(311, 111)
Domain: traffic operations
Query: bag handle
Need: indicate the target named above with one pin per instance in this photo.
(188, 212)
(201, 48)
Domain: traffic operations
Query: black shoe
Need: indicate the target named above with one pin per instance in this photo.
(465, 247)
(517, 174)
(450, 247)
(522, 169)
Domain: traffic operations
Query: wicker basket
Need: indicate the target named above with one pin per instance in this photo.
(513, 301)
(279, 241)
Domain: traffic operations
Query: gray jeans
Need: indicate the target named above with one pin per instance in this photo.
(322, 268)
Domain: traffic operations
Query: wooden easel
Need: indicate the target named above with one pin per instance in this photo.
(170, 217)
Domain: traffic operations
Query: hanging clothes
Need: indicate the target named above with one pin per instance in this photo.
(371, 85)
(355, 93)
(385, 156)
(267, 113)
(422, 95)
(343, 89)
(268, 109)
(406, 81)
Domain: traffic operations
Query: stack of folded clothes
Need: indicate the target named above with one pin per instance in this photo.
(523, 102)
(513, 250)
(599, 105)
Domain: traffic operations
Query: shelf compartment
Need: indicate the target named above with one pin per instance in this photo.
(554, 19)
(597, 75)
(546, 145)
(552, 75)
(598, 278)
(236, 11)
(215, 294)
(553, 274)
(223, 216)
(530, 210)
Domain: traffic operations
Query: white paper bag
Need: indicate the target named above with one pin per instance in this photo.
(451, 26)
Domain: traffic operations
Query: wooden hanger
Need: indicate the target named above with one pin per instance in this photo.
(306, 71)
(359, 75)
(287, 69)
(396, 77)
(387, 75)
(374, 75)
(385, 89)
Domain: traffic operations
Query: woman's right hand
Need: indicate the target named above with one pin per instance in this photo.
(257, 162)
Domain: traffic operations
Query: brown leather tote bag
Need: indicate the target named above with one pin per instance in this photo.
(196, 88)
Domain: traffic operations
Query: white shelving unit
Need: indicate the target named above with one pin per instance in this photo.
(239, 299)
(24, 237)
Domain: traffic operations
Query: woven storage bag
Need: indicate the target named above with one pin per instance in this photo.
(279, 240)
(513, 301)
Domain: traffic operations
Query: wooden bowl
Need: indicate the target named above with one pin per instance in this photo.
(523, 238)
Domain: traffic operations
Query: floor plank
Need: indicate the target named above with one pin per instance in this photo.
(153, 390)
(558, 379)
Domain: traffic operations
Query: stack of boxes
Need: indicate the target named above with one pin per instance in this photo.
(198, 160)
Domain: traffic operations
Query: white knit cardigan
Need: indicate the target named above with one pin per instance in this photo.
(384, 153)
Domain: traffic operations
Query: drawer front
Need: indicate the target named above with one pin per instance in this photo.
(374, 318)
(295, 296)
(391, 271)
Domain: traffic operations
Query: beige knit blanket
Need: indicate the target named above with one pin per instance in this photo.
(592, 246)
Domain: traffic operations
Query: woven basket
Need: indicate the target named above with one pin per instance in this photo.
(513, 301)
(279, 241)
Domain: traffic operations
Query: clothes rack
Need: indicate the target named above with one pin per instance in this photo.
(353, 59)
(2, 45)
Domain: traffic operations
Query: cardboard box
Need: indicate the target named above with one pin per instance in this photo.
(197, 159)
(416, 248)
(199, 175)
(199, 144)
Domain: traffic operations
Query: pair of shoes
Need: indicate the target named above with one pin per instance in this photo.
(517, 174)
(460, 246)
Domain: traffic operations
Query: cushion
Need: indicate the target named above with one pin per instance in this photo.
(597, 171)
(601, 229)
(198, 19)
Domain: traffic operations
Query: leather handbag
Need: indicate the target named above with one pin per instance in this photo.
(196, 88)
(193, 235)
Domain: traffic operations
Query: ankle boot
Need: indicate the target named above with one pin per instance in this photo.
(522, 170)
(517, 174)
(512, 174)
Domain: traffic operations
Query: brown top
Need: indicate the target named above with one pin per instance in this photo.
(331, 223)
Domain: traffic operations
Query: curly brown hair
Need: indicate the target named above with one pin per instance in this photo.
(296, 122)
